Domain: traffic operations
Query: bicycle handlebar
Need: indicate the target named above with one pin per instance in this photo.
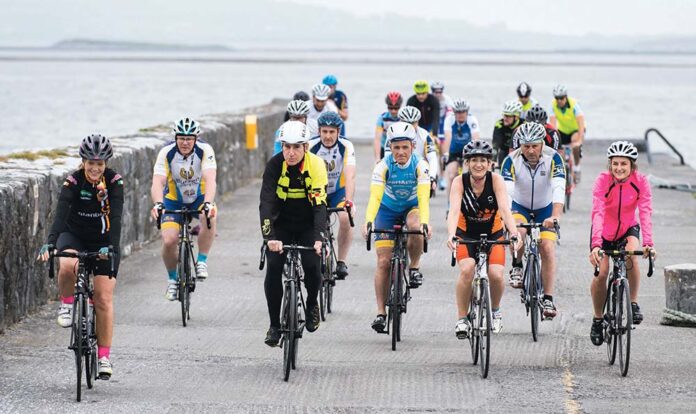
(345, 208)
(182, 212)
(482, 240)
(80, 256)
(619, 253)
(398, 230)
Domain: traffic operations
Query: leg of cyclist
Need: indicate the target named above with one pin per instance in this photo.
(633, 270)
(516, 270)
(576, 141)
(415, 249)
(104, 308)
(384, 253)
(312, 280)
(66, 286)
(170, 256)
(463, 289)
(273, 288)
(598, 290)
(345, 238)
(205, 243)
(547, 249)
(451, 171)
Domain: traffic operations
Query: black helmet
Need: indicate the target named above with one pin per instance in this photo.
(478, 148)
(537, 113)
(300, 96)
(96, 147)
(524, 90)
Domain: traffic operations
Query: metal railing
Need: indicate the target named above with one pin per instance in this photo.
(669, 144)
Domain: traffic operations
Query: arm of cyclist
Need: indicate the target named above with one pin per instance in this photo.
(423, 194)
(376, 194)
(449, 120)
(581, 127)
(377, 143)
(65, 200)
(501, 194)
(268, 205)
(599, 188)
(431, 157)
(507, 171)
(435, 124)
(115, 191)
(455, 200)
(157, 193)
(645, 214)
(210, 190)
(558, 184)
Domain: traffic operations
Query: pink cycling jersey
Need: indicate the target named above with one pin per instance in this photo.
(614, 207)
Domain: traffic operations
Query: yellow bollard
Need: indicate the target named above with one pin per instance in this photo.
(252, 136)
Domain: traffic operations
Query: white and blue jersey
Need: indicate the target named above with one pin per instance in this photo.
(534, 188)
(462, 133)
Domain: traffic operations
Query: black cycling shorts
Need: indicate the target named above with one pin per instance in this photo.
(615, 245)
(565, 138)
(455, 157)
(67, 240)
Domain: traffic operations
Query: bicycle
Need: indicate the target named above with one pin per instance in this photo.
(618, 315)
(83, 333)
(292, 318)
(570, 175)
(329, 262)
(532, 294)
(480, 313)
(399, 296)
(186, 279)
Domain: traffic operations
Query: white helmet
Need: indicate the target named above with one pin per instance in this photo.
(400, 131)
(460, 105)
(560, 91)
(512, 108)
(530, 133)
(409, 114)
(293, 132)
(437, 86)
(321, 91)
(622, 149)
(298, 108)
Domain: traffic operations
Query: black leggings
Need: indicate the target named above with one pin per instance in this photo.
(273, 285)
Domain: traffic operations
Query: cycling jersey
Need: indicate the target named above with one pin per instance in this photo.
(502, 138)
(424, 148)
(340, 99)
(314, 113)
(567, 116)
(383, 123)
(184, 174)
(336, 158)
(552, 138)
(614, 206)
(530, 103)
(462, 134)
(535, 188)
(446, 108)
(430, 111)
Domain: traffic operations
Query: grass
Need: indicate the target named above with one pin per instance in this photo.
(34, 155)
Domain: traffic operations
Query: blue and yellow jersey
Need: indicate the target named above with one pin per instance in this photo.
(185, 174)
(383, 123)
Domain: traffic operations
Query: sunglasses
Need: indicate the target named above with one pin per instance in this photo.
(393, 108)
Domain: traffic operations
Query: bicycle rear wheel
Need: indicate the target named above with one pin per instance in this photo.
(290, 319)
(609, 321)
(484, 315)
(624, 320)
(473, 335)
(77, 341)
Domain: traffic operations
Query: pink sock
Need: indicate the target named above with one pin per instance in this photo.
(103, 351)
(67, 299)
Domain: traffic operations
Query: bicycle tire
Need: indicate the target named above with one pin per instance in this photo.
(332, 278)
(290, 327)
(91, 357)
(77, 342)
(485, 332)
(181, 278)
(396, 306)
(533, 297)
(473, 335)
(624, 320)
(609, 332)
(323, 296)
(298, 331)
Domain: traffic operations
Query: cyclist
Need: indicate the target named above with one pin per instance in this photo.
(88, 218)
(393, 101)
(339, 155)
(569, 119)
(320, 103)
(292, 209)
(484, 209)
(538, 114)
(535, 178)
(504, 130)
(297, 110)
(428, 105)
(184, 176)
(524, 90)
(446, 104)
(425, 147)
(298, 96)
(617, 194)
(339, 98)
(460, 129)
(399, 192)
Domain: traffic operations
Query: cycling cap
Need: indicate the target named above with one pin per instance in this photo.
(409, 114)
(622, 149)
(300, 96)
(329, 80)
(524, 90)
(560, 91)
(394, 98)
(330, 119)
(298, 108)
(400, 131)
(96, 147)
(537, 113)
(478, 148)
(421, 86)
(187, 126)
(293, 132)
(460, 105)
(437, 86)
(321, 91)
(512, 108)
(530, 133)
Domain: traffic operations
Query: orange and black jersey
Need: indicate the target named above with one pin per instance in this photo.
(479, 215)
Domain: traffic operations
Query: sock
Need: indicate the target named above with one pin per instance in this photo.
(413, 269)
(494, 310)
(172, 275)
(103, 351)
(517, 263)
(549, 297)
(576, 168)
(201, 258)
(68, 300)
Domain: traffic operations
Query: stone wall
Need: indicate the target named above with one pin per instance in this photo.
(29, 191)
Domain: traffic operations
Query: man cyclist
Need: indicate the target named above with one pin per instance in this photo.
(399, 192)
(446, 104)
(460, 129)
(339, 98)
(538, 114)
(504, 129)
(88, 218)
(184, 176)
(483, 209)
(428, 105)
(424, 145)
(297, 111)
(535, 178)
(569, 119)
(393, 101)
(292, 209)
(298, 96)
(524, 91)
(339, 155)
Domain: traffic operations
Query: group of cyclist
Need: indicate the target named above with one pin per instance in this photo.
(314, 167)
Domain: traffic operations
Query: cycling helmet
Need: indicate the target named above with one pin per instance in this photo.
(460, 105)
(530, 133)
(330, 119)
(524, 90)
(300, 96)
(537, 113)
(187, 126)
(560, 91)
(409, 114)
(478, 148)
(293, 132)
(394, 99)
(421, 86)
(96, 147)
(622, 149)
(512, 108)
(329, 80)
(400, 131)
(437, 86)
(321, 91)
(298, 108)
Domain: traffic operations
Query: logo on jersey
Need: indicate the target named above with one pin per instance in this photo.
(186, 175)
(266, 227)
(330, 165)
(85, 195)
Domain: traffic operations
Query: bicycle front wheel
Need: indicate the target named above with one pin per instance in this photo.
(609, 322)
(91, 357)
(532, 278)
(184, 277)
(624, 321)
(323, 297)
(290, 322)
(473, 335)
(484, 315)
(395, 309)
(78, 336)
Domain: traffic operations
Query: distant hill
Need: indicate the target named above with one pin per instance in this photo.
(91, 44)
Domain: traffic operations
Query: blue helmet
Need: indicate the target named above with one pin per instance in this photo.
(329, 80)
(330, 119)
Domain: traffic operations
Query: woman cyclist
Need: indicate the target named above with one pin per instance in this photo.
(616, 195)
(88, 218)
